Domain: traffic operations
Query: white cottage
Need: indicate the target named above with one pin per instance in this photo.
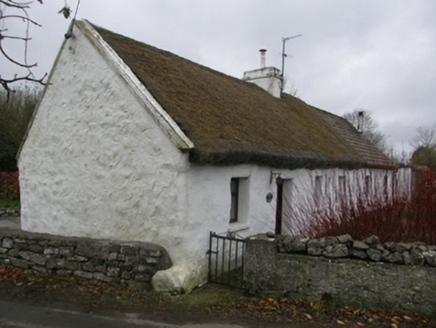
(130, 142)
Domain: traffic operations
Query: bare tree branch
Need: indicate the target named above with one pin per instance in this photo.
(370, 128)
(21, 17)
(14, 37)
(425, 137)
(15, 4)
(20, 8)
(13, 61)
(5, 83)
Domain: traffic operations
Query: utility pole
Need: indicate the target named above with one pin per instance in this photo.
(283, 59)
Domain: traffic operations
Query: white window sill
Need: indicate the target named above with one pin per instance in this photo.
(237, 227)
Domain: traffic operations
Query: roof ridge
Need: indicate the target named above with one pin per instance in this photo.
(168, 52)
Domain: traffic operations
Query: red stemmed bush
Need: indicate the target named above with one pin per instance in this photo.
(9, 187)
(391, 217)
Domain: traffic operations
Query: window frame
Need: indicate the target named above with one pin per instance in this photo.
(318, 191)
(342, 186)
(234, 200)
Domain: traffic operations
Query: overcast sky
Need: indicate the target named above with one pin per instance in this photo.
(378, 55)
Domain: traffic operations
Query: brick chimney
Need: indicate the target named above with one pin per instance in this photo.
(268, 78)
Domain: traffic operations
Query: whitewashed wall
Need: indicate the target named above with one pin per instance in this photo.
(95, 163)
(209, 194)
(209, 200)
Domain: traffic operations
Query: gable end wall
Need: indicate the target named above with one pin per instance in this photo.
(95, 163)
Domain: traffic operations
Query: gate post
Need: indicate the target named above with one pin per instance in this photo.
(259, 266)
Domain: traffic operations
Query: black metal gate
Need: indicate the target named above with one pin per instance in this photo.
(226, 259)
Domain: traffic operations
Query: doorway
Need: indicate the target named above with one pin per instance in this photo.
(284, 213)
(279, 208)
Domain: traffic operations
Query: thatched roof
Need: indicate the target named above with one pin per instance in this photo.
(371, 155)
(233, 122)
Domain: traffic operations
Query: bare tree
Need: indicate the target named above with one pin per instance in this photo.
(424, 145)
(19, 10)
(425, 137)
(369, 128)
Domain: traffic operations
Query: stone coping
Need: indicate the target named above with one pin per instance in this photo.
(415, 253)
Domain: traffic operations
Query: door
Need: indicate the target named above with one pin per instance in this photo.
(284, 213)
(279, 208)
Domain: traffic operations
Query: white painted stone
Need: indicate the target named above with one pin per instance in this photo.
(179, 278)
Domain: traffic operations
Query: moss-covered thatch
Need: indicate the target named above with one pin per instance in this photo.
(231, 121)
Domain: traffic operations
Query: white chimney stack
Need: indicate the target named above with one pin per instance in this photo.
(360, 122)
(268, 78)
(262, 58)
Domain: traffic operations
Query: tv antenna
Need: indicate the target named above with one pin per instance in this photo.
(283, 59)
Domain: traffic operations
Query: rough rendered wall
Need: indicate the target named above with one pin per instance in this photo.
(207, 194)
(95, 163)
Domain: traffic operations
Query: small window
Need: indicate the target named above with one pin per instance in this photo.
(342, 186)
(367, 185)
(385, 186)
(234, 190)
(318, 191)
(341, 182)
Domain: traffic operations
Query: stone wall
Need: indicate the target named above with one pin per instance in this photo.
(416, 253)
(10, 211)
(132, 263)
(347, 281)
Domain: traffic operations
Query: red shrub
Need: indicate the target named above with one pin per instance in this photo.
(391, 218)
(9, 187)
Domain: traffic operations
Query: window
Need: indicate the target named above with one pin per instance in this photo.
(239, 201)
(341, 183)
(318, 191)
(234, 191)
(385, 187)
(367, 185)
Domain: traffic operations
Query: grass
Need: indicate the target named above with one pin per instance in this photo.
(209, 296)
(9, 203)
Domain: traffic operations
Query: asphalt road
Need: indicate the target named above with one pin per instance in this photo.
(21, 314)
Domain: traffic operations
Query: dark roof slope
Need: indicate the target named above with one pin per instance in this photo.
(371, 154)
(231, 121)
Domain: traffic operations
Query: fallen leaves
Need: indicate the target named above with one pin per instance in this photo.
(37, 280)
(264, 309)
(342, 316)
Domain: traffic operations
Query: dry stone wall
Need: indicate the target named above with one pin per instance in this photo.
(416, 253)
(10, 211)
(343, 273)
(132, 263)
